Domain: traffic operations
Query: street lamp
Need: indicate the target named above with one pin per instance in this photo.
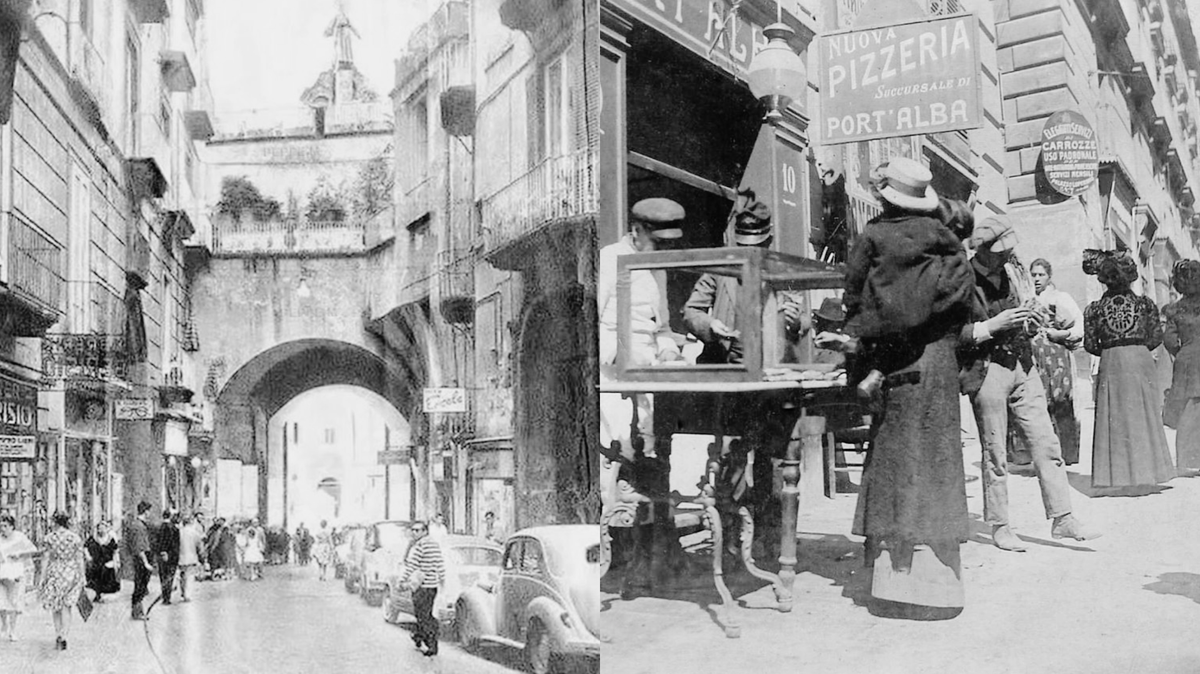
(777, 75)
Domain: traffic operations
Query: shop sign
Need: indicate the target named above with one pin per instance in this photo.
(18, 407)
(18, 447)
(134, 409)
(900, 80)
(90, 356)
(696, 24)
(445, 400)
(1070, 154)
(395, 456)
(175, 442)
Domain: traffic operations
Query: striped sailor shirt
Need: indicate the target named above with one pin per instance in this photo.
(426, 556)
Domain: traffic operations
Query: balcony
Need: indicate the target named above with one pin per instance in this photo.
(198, 116)
(558, 190)
(85, 361)
(248, 236)
(455, 274)
(178, 381)
(176, 71)
(150, 11)
(31, 294)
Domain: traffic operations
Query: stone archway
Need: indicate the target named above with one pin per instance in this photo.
(264, 384)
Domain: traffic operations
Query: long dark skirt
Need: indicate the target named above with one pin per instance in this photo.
(100, 578)
(913, 489)
(1129, 446)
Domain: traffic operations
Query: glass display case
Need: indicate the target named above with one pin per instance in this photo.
(751, 291)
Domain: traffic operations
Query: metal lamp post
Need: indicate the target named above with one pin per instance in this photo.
(777, 75)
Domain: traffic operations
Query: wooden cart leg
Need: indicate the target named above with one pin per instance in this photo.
(830, 456)
(781, 593)
(713, 518)
(806, 437)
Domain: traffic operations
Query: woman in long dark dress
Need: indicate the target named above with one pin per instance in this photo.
(1129, 446)
(1181, 336)
(102, 562)
(909, 290)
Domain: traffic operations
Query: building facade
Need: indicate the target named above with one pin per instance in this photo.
(99, 189)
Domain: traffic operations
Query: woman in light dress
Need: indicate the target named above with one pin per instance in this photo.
(63, 576)
(323, 549)
(15, 547)
(252, 553)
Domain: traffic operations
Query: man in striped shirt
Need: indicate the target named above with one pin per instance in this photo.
(425, 562)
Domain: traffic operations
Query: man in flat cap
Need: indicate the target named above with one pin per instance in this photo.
(651, 221)
(1000, 377)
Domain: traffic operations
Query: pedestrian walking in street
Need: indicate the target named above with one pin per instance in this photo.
(493, 529)
(304, 542)
(232, 565)
(424, 571)
(63, 576)
(323, 549)
(1129, 446)
(191, 551)
(137, 549)
(1061, 332)
(1000, 376)
(908, 294)
(15, 548)
(167, 553)
(437, 527)
(103, 560)
(1181, 336)
(253, 543)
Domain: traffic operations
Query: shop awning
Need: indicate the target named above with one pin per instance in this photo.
(176, 71)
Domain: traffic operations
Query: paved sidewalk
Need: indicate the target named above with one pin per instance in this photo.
(1124, 603)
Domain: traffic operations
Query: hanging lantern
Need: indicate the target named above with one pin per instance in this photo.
(777, 75)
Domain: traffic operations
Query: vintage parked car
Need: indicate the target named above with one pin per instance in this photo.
(384, 546)
(546, 601)
(470, 560)
(347, 556)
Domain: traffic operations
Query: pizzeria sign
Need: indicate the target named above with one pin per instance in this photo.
(900, 80)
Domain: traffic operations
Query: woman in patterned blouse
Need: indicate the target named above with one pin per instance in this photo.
(1181, 410)
(1129, 447)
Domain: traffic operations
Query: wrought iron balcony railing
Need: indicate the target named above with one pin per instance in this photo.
(282, 237)
(34, 265)
(455, 274)
(558, 189)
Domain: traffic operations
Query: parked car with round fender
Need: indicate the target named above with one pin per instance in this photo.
(385, 544)
(546, 601)
(470, 561)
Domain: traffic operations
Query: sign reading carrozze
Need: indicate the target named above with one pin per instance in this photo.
(900, 80)
(1070, 156)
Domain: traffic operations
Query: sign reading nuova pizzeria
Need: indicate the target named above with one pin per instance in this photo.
(1070, 154)
(18, 419)
(900, 80)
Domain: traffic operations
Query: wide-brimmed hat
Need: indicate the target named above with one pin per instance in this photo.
(662, 217)
(1185, 277)
(1110, 267)
(751, 220)
(831, 310)
(904, 182)
(995, 233)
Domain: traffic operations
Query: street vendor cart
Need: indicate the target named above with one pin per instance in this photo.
(770, 406)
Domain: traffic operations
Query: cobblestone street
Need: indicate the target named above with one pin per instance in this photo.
(288, 622)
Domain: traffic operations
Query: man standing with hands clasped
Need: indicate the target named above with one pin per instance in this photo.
(1000, 377)
(424, 569)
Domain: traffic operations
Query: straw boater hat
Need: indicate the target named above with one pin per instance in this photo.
(905, 183)
(662, 217)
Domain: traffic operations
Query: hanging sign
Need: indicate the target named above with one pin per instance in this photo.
(18, 407)
(134, 409)
(445, 400)
(1070, 154)
(900, 80)
(397, 455)
(18, 447)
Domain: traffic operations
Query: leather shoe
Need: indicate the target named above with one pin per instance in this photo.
(1004, 538)
(1067, 526)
